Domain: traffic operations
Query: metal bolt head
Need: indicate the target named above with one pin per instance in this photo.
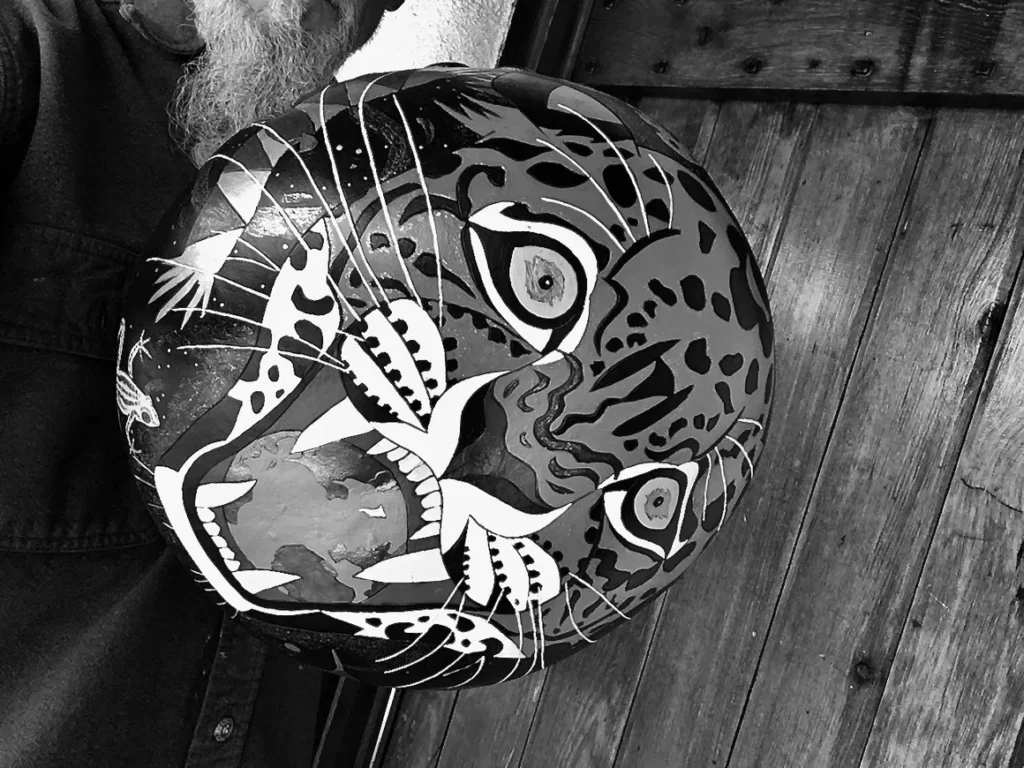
(862, 68)
(590, 67)
(224, 729)
(753, 65)
(660, 67)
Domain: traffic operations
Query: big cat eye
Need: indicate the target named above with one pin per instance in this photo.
(537, 274)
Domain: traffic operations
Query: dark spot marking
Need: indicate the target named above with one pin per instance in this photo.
(310, 334)
(633, 363)
(556, 175)
(618, 232)
(596, 367)
(731, 363)
(725, 395)
(406, 247)
(309, 306)
(517, 349)
(750, 384)
(614, 344)
(696, 356)
(631, 445)
(661, 442)
(515, 150)
(696, 191)
(721, 306)
(635, 340)
(663, 292)
(636, 320)
(355, 279)
(579, 149)
(450, 343)
(712, 422)
(298, 258)
(652, 415)
(658, 209)
(650, 307)
(496, 335)
(693, 292)
(374, 622)
(274, 373)
(257, 401)
(677, 425)
(698, 421)
(314, 240)
(378, 241)
(619, 185)
(707, 237)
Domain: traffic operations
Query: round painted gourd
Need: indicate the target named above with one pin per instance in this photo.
(442, 375)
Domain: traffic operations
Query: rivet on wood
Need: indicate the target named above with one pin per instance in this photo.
(813, 63)
(705, 35)
(985, 68)
(660, 67)
(864, 673)
(862, 68)
(753, 65)
(590, 67)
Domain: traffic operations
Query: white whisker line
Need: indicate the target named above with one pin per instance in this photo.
(590, 216)
(438, 647)
(431, 677)
(540, 630)
(591, 588)
(622, 159)
(751, 421)
(519, 640)
(348, 213)
(471, 678)
(327, 210)
(668, 188)
(239, 241)
(536, 646)
(707, 479)
(743, 451)
(326, 359)
(228, 315)
(430, 209)
(725, 487)
(572, 618)
(593, 181)
(253, 262)
(287, 218)
(421, 636)
(380, 189)
(215, 276)
(140, 479)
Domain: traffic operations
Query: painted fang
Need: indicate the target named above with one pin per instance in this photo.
(443, 374)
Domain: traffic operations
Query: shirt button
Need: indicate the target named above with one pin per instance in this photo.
(224, 729)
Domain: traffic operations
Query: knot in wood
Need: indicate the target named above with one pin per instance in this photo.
(862, 68)
(864, 673)
(753, 65)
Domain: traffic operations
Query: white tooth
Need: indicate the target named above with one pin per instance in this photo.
(258, 580)
(219, 494)
(232, 565)
(431, 514)
(427, 486)
(212, 528)
(219, 541)
(432, 499)
(409, 463)
(382, 447)
(205, 514)
(428, 530)
(396, 454)
(226, 553)
(422, 472)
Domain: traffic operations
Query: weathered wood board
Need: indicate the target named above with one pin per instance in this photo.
(881, 48)
(892, 451)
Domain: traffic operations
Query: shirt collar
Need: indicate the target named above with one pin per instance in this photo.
(167, 23)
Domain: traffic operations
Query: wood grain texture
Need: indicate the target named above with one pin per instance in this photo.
(894, 446)
(419, 728)
(843, 216)
(967, 47)
(956, 692)
(751, 151)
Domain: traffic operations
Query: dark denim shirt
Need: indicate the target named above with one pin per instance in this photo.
(110, 655)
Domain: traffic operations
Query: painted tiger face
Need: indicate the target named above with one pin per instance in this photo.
(454, 370)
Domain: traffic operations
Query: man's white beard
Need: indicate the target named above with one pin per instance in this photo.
(255, 65)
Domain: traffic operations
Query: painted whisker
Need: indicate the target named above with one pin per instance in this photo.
(596, 221)
(618, 153)
(605, 599)
(421, 636)
(743, 450)
(380, 190)
(572, 619)
(269, 262)
(348, 212)
(668, 188)
(202, 271)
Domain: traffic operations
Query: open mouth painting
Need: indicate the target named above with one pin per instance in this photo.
(443, 374)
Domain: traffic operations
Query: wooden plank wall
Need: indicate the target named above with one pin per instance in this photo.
(969, 51)
(865, 606)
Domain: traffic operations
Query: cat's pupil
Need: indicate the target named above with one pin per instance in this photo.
(659, 501)
(546, 282)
